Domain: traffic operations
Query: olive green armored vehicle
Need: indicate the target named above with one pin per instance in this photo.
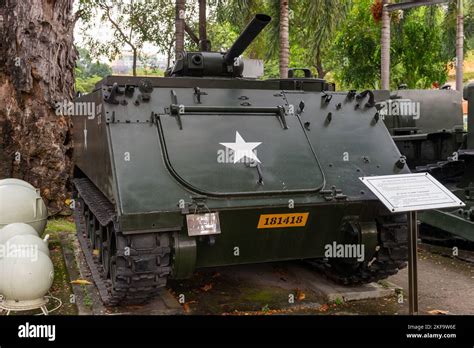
(206, 168)
(428, 128)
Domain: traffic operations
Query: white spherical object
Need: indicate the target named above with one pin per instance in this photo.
(27, 241)
(26, 278)
(21, 202)
(14, 181)
(16, 229)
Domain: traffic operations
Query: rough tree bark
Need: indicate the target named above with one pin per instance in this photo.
(284, 39)
(37, 60)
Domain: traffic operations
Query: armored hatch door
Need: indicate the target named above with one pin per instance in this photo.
(235, 142)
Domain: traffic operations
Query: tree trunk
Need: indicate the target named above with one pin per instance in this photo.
(134, 66)
(319, 65)
(284, 40)
(168, 59)
(179, 26)
(385, 48)
(37, 60)
(204, 43)
(459, 45)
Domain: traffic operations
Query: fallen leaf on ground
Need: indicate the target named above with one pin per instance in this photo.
(206, 287)
(300, 295)
(81, 282)
(324, 308)
(438, 311)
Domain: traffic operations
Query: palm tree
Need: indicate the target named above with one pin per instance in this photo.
(315, 25)
(321, 19)
(385, 47)
(179, 25)
(459, 45)
(284, 38)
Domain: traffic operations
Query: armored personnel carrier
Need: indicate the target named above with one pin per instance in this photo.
(205, 168)
(428, 128)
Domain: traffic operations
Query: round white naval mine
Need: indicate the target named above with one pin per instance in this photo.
(21, 202)
(16, 229)
(25, 280)
(26, 241)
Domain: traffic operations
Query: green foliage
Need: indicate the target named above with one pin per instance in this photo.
(150, 72)
(416, 49)
(120, 16)
(312, 26)
(418, 60)
(336, 39)
(88, 72)
(449, 23)
(88, 67)
(86, 85)
(355, 54)
(222, 35)
(134, 23)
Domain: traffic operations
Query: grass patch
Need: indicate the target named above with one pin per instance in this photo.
(61, 287)
(56, 225)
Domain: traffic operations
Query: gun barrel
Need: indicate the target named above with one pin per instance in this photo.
(250, 32)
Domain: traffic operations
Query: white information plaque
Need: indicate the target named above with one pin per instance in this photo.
(411, 192)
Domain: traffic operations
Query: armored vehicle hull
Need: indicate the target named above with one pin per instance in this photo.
(159, 150)
(455, 227)
(428, 128)
(204, 168)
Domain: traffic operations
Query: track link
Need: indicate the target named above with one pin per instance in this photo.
(129, 269)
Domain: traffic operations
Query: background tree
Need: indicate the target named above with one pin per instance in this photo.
(416, 48)
(179, 25)
(123, 16)
(233, 16)
(37, 59)
(384, 42)
(89, 72)
(321, 20)
(157, 25)
(284, 39)
(312, 27)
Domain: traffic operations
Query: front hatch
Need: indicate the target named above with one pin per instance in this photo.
(236, 142)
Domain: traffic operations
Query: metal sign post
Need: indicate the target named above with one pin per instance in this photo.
(412, 263)
(411, 193)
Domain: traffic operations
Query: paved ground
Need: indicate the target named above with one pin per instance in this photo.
(443, 283)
